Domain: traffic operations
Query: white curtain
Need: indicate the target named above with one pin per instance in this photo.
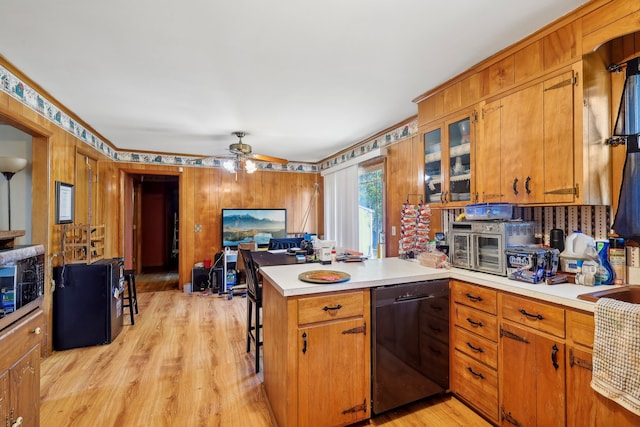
(341, 201)
(341, 207)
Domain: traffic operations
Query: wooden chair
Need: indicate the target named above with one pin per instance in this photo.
(254, 298)
(240, 267)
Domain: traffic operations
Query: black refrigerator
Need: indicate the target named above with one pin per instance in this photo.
(87, 304)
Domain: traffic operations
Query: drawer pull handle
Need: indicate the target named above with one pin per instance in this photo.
(554, 356)
(37, 331)
(474, 323)
(531, 316)
(435, 350)
(327, 308)
(478, 349)
(475, 374)
(473, 298)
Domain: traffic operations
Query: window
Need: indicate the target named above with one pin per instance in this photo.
(342, 202)
(370, 207)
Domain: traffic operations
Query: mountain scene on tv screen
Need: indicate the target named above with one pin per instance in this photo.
(246, 227)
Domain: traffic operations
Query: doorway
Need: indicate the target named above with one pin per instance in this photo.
(152, 230)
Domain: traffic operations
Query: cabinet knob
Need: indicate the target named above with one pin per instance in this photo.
(37, 331)
(17, 423)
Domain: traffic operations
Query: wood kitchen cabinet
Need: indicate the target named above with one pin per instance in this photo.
(317, 357)
(532, 356)
(586, 407)
(332, 342)
(525, 148)
(474, 375)
(448, 148)
(20, 371)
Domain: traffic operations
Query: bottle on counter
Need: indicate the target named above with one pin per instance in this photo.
(617, 260)
(604, 276)
(579, 276)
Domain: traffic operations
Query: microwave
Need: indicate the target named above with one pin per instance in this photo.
(480, 245)
(21, 281)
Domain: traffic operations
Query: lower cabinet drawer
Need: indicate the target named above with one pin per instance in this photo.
(534, 314)
(475, 346)
(479, 322)
(476, 383)
(330, 307)
(580, 327)
(19, 338)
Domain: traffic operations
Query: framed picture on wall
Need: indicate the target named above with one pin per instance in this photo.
(64, 203)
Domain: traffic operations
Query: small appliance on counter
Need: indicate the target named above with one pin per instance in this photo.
(480, 245)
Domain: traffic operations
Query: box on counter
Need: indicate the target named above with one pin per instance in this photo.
(531, 264)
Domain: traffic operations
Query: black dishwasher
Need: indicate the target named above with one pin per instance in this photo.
(410, 347)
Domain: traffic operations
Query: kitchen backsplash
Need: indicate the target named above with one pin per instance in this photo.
(594, 221)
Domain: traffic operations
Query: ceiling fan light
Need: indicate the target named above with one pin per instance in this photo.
(229, 165)
(250, 167)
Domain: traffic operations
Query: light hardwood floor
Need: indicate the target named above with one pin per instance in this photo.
(184, 363)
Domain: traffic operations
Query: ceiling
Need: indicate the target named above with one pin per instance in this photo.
(303, 78)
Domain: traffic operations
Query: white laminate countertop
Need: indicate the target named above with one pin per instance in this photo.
(392, 271)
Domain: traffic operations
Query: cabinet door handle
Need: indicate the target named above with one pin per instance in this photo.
(477, 349)
(515, 186)
(475, 374)
(17, 423)
(531, 316)
(304, 342)
(473, 297)
(554, 356)
(327, 308)
(474, 323)
(526, 185)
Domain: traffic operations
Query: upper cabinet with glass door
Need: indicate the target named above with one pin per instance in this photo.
(459, 133)
(448, 162)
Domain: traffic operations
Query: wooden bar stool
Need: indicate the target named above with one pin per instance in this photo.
(130, 299)
(254, 300)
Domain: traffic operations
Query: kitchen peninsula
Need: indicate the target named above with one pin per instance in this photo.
(317, 339)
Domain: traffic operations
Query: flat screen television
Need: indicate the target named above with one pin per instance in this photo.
(246, 225)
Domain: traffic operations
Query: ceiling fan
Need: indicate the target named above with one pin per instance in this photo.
(243, 155)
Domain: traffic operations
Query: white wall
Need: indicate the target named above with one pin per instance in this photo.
(15, 143)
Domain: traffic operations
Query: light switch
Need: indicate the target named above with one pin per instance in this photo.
(393, 230)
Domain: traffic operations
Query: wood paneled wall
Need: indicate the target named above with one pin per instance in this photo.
(204, 192)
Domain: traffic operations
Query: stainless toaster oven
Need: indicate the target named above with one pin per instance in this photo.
(480, 245)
